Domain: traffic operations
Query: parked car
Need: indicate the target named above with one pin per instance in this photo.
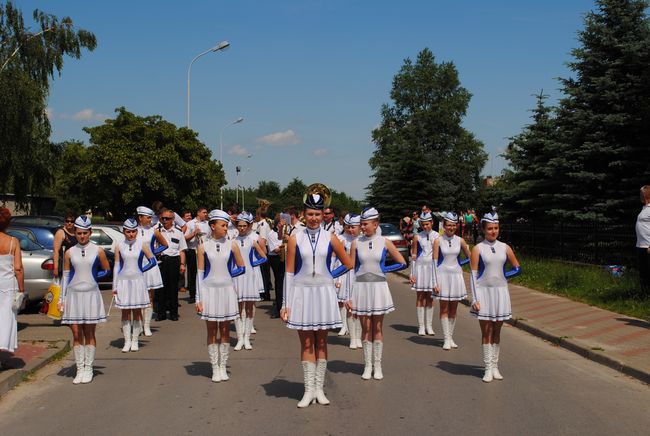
(392, 233)
(38, 265)
(40, 234)
(38, 220)
(106, 236)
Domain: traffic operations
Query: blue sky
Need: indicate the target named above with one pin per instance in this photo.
(309, 77)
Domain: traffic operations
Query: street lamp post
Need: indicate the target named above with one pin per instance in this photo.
(238, 169)
(237, 121)
(219, 47)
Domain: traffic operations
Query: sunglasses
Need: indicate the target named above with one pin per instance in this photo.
(69, 221)
(165, 218)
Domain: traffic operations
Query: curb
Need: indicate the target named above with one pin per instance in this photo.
(10, 378)
(570, 345)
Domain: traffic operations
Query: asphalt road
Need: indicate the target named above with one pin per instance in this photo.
(165, 388)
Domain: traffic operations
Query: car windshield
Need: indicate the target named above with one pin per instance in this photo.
(26, 244)
(46, 221)
(388, 229)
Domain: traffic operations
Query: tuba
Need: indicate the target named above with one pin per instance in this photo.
(319, 189)
(263, 204)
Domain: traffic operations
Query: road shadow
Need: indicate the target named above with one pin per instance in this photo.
(426, 340)
(119, 343)
(338, 340)
(405, 328)
(71, 371)
(280, 388)
(460, 368)
(199, 369)
(10, 361)
(343, 367)
(635, 322)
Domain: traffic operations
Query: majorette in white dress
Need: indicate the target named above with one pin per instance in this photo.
(152, 277)
(311, 295)
(129, 276)
(82, 301)
(249, 285)
(370, 293)
(449, 272)
(216, 289)
(491, 286)
(346, 280)
(422, 268)
(8, 289)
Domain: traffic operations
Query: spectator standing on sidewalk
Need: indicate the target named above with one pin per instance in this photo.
(183, 282)
(11, 283)
(643, 241)
(172, 265)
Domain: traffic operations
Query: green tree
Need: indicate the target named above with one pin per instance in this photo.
(28, 61)
(292, 193)
(423, 154)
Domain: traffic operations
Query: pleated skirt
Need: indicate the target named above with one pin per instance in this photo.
(371, 298)
(249, 285)
(8, 326)
(314, 308)
(153, 279)
(220, 303)
(494, 302)
(131, 294)
(343, 292)
(423, 273)
(452, 286)
(83, 307)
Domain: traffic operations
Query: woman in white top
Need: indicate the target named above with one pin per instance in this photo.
(351, 227)
(249, 285)
(12, 286)
(371, 298)
(491, 299)
(148, 234)
(80, 300)
(129, 285)
(219, 260)
(310, 300)
(449, 285)
(422, 274)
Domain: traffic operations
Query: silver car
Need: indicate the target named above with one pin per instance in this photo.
(392, 233)
(38, 264)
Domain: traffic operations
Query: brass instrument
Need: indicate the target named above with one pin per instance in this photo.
(263, 204)
(319, 189)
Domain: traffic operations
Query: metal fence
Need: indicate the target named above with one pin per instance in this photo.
(593, 243)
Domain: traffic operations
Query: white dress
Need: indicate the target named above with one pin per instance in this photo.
(370, 293)
(250, 284)
(346, 280)
(129, 279)
(152, 277)
(492, 285)
(8, 288)
(82, 300)
(449, 272)
(312, 299)
(422, 268)
(217, 293)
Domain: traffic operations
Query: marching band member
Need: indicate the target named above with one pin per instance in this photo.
(344, 283)
(448, 281)
(489, 283)
(80, 299)
(371, 298)
(12, 284)
(310, 301)
(422, 273)
(219, 260)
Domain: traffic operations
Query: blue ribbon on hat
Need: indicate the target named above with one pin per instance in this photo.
(369, 213)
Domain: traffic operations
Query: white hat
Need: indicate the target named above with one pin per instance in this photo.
(245, 216)
(369, 213)
(218, 214)
(143, 210)
(450, 216)
(352, 219)
(426, 216)
(130, 224)
(491, 217)
(83, 222)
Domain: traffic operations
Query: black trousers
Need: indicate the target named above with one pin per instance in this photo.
(168, 294)
(266, 279)
(278, 274)
(190, 262)
(643, 258)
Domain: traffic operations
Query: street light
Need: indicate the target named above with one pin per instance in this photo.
(238, 169)
(237, 121)
(219, 47)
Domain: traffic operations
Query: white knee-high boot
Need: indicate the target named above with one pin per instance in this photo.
(352, 328)
(88, 363)
(321, 369)
(253, 331)
(428, 320)
(420, 312)
(357, 323)
(147, 313)
(126, 331)
(137, 329)
(496, 348)
(239, 328)
(487, 359)
(79, 359)
(444, 321)
(377, 349)
(224, 350)
(248, 327)
(213, 352)
(309, 374)
(344, 319)
(452, 326)
(367, 358)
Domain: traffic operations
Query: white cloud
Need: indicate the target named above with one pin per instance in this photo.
(238, 150)
(320, 152)
(287, 137)
(49, 113)
(83, 115)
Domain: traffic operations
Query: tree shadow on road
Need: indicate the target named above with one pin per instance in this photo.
(460, 368)
(281, 388)
(341, 366)
(199, 369)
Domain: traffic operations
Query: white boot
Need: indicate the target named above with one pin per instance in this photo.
(487, 359)
(367, 357)
(239, 328)
(248, 326)
(224, 349)
(378, 347)
(213, 352)
(253, 331)
(420, 311)
(344, 319)
(352, 327)
(452, 325)
(88, 363)
(321, 369)
(309, 374)
(79, 357)
(147, 313)
(445, 333)
(126, 330)
(496, 348)
(137, 329)
(357, 323)
(428, 320)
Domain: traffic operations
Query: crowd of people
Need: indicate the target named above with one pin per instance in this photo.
(467, 228)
